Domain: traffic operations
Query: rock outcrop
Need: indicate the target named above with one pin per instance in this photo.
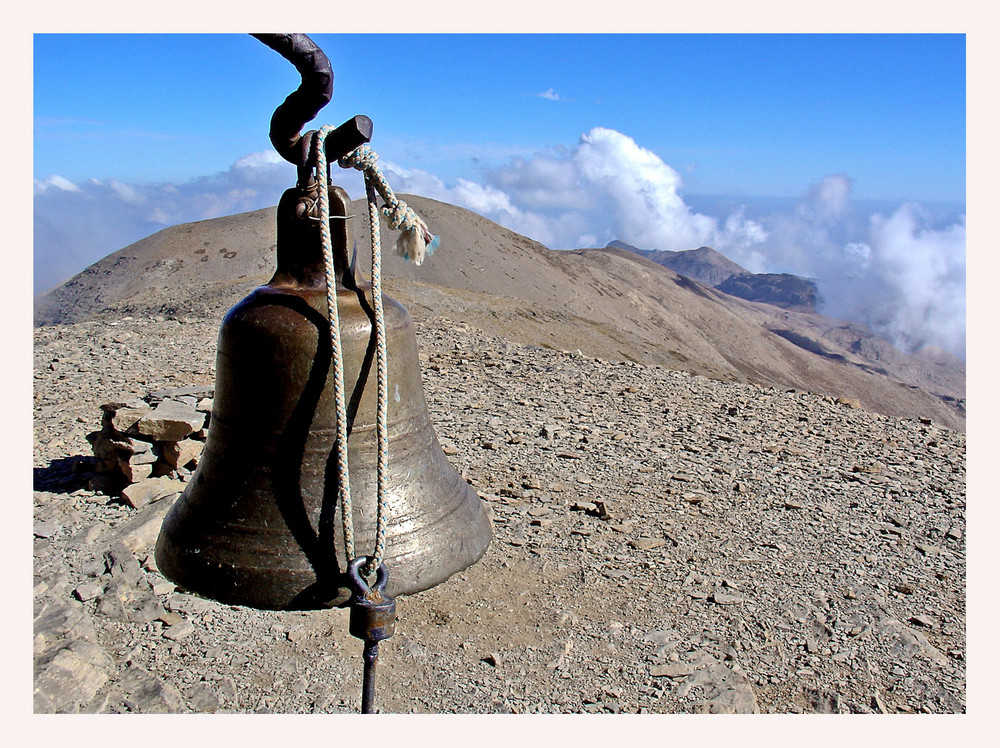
(713, 269)
(780, 289)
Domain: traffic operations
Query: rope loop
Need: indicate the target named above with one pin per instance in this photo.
(361, 158)
(318, 155)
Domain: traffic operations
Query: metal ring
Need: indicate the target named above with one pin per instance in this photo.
(358, 583)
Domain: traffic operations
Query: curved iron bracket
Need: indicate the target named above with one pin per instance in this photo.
(304, 103)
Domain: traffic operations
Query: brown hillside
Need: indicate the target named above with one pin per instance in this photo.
(608, 303)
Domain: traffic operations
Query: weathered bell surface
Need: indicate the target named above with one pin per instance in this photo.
(258, 524)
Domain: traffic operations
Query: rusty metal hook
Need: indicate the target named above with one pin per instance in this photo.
(304, 103)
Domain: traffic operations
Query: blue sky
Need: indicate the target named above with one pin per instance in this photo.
(738, 114)
(836, 156)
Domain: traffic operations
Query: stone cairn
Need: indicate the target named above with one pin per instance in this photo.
(148, 447)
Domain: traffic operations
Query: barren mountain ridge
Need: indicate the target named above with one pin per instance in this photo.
(609, 303)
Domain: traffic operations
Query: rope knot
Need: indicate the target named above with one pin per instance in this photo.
(362, 158)
(399, 215)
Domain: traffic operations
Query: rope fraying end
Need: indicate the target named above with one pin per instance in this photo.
(415, 241)
(412, 244)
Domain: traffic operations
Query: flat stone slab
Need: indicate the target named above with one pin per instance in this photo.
(67, 682)
(170, 421)
(672, 670)
(149, 490)
(140, 532)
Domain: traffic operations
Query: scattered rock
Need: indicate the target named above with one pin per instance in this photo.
(140, 532)
(190, 605)
(146, 491)
(67, 682)
(88, 591)
(148, 694)
(45, 529)
(178, 631)
(127, 595)
(725, 691)
(822, 701)
(905, 643)
(818, 626)
(647, 544)
(672, 670)
(202, 699)
(721, 598)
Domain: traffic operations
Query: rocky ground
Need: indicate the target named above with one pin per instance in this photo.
(663, 543)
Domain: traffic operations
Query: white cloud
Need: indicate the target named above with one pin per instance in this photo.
(551, 95)
(858, 254)
(482, 199)
(55, 182)
(608, 187)
(257, 160)
(828, 200)
(76, 225)
(923, 270)
(897, 273)
(544, 181)
(126, 193)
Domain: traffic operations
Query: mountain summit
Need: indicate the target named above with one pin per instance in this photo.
(608, 303)
(704, 264)
(711, 268)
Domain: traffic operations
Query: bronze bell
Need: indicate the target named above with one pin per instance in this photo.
(258, 524)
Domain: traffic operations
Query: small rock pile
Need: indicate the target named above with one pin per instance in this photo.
(147, 447)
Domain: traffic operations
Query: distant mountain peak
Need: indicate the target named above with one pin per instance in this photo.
(712, 268)
(704, 264)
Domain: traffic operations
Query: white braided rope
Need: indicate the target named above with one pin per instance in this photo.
(402, 217)
(382, 383)
(336, 354)
(414, 243)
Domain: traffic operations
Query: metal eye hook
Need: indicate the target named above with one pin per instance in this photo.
(358, 583)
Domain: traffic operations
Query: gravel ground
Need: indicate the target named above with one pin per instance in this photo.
(663, 543)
